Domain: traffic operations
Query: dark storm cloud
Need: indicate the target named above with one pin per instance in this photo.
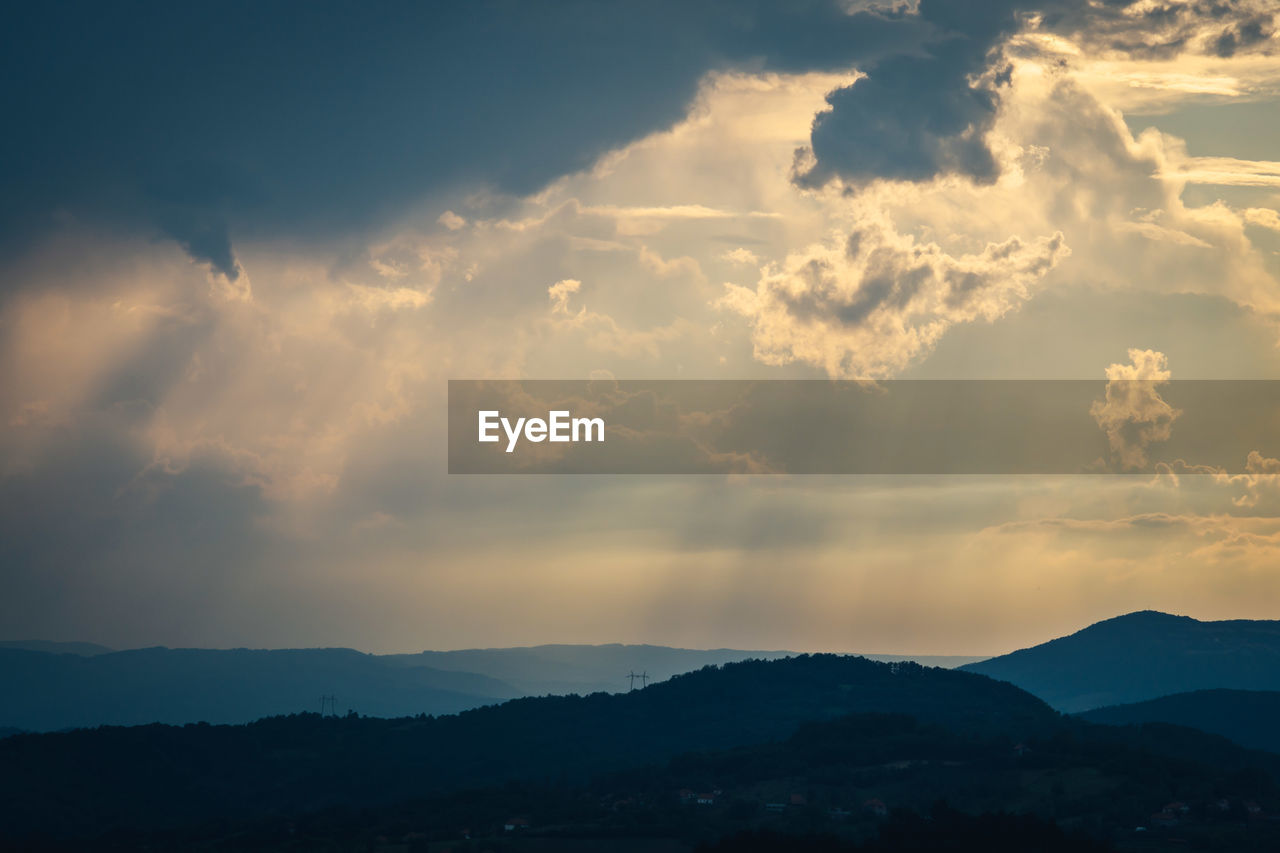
(926, 113)
(208, 122)
(923, 114)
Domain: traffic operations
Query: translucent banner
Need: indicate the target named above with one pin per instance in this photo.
(845, 427)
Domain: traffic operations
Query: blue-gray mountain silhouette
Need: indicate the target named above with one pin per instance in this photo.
(1143, 656)
(53, 686)
(159, 776)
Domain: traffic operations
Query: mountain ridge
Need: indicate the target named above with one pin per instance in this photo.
(308, 761)
(1142, 655)
(52, 690)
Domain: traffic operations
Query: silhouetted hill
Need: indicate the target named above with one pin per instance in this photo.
(1142, 656)
(84, 649)
(539, 670)
(51, 689)
(57, 691)
(1248, 717)
(161, 775)
(560, 669)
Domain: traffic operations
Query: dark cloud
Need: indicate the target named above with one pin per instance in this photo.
(1245, 34)
(1166, 29)
(210, 122)
(926, 113)
(923, 114)
(207, 123)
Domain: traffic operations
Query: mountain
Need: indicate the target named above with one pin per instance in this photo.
(56, 691)
(943, 661)
(1143, 656)
(53, 686)
(556, 669)
(83, 649)
(621, 772)
(162, 775)
(1248, 717)
(560, 669)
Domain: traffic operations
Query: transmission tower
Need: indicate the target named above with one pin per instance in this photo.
(330, 702)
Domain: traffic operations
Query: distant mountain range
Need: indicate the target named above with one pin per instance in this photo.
(560, 669)
(83, 649)
(1248, 717)
(1143, 656)
(53, 686)
(123, 777)
(800, 748)
(58, 691)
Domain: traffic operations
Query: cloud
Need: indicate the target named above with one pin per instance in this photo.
(911, 118)
(1159, 30)
(870, 306)
(741, 255)
(1133, 414)
(379, 298)
(422, 104)
(560, 293)
(451, 220)
(1263, 217)
(928, 113)
(218, 123)
(1196, 539)
(205, 238)
(1255, 490)
(1229, 171)
(1260, 481)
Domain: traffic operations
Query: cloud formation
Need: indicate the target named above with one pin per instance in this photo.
(212, 123)
(1132, 413)
(867, 308)
(917, 116)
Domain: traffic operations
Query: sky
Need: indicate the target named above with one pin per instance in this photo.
(243, 249)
